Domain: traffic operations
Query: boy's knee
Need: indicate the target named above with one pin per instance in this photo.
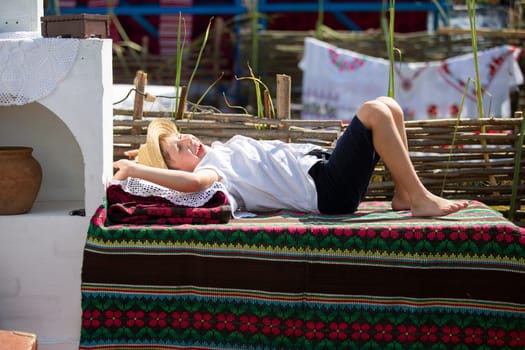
(373, 111)
(393, 106)
(386, 100)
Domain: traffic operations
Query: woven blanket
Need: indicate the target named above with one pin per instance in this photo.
(126, 208)
(377, 279)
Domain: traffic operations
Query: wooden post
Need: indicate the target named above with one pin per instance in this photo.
(283, 95)
(514, 202)
(141, 80)
(267, 105)
(182, 101)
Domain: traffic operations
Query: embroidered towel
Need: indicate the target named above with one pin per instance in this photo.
(337, 81)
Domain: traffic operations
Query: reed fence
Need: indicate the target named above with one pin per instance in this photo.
(477, 159)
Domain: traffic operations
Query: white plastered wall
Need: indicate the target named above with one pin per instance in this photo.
(41, 251)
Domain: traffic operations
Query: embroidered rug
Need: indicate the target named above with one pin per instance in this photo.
(377, 279)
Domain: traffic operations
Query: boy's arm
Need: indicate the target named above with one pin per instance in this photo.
(182, 181)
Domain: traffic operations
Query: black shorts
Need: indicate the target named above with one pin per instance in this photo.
(342, 180)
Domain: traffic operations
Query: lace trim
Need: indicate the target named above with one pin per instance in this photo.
(145, 188)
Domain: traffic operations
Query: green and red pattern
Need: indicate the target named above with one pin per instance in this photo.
(377, 279)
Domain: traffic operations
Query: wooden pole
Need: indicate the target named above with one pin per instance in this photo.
(141, 80)
(267, 104)
(283, 95)
(514, 202)
(182, 101)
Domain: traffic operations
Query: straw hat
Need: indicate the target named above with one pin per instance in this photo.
(150, 153)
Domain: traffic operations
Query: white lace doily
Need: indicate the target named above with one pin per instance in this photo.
(31, 68)
(143, 188)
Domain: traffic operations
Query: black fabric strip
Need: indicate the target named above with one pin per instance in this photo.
(297, 277)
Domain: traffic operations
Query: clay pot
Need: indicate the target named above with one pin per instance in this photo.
(20, 180)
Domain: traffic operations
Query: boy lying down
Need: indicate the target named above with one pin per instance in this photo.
(270, 175)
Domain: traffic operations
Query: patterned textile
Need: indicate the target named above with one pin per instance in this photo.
(337, 81)
(143, 188)
(169, 27)
(373, 280)
(126, 208)
(101, 3)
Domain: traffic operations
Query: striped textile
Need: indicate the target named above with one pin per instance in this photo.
(102, 3)
(373, 280)
(68, 3)
(169, 25)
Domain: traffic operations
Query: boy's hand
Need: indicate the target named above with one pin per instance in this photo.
(132, 154)
(124, 167)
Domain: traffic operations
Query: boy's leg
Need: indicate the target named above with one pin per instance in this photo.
(342, 181)
(378, 117)
(400, 201)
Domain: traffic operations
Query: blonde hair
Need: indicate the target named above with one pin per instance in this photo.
(150, 153)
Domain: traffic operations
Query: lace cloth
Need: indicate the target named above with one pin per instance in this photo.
(143, 188)
(31, 68)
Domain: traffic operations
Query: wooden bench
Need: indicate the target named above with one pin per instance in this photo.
(14, 340)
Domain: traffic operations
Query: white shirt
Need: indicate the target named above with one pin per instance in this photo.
(264, 175)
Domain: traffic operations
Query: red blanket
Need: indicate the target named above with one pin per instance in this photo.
(126, 208)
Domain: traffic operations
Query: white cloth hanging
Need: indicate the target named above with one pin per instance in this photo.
(337, 81)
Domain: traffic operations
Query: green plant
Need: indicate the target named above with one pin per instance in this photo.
(257, 82)
(471, 7)
(126, 43)
(389, 33)
(253, 16)
(54, 6)
(234, 106)
(391, 48)
(201, 51)
(442, 12)
(178, 71)
(320, 20)
(197, 104)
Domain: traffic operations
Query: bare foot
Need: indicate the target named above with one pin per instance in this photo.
(432, 205)
(400, 202)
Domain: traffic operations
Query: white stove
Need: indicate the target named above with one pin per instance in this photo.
(71, 131)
